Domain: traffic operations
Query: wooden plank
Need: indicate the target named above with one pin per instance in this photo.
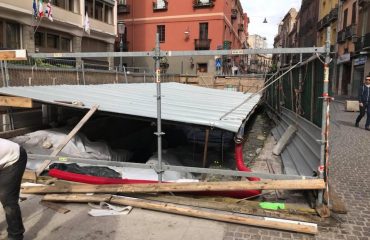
(18, 132)
(223, 216)
(29, 175)
(13, 55)
(67, 139)
(21, 102)
(56, 207)
(205, 148)
(291, 212)
(181, 187)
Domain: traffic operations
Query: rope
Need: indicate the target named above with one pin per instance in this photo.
(261, 90)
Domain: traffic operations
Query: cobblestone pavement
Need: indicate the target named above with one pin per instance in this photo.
(349, 176)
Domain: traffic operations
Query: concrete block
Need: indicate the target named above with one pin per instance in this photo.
(352, 106)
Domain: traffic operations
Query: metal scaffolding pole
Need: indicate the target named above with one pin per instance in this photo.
(159, 132)
(325, 99)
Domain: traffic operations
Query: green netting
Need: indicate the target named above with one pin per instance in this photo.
(284, 91)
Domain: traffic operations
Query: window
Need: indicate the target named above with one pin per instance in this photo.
(345, 18)
(53, 41)
(65, 4)
(99, 11)
(161, 29)
(202, 67)
(354, 13)
(203, 31)
(9, 35)
(39, 39)
(65, 44)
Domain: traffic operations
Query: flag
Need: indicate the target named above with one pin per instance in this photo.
(41, 8)
(49, 12)
(34, 6)
(87, 24)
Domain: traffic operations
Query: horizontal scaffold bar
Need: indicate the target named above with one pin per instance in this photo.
(182, 53)
(168, 167)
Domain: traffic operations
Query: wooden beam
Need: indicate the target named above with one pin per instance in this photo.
(180, 187)
(67, 138)
(19, 131)
(21, 102)
(206, 139)
(29, 175)
(56, 207)
(13, 55)
(223, 216)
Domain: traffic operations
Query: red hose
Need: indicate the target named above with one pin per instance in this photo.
(75, 177)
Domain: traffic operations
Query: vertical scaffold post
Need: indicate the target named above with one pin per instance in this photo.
(325, 99)
(159, 132)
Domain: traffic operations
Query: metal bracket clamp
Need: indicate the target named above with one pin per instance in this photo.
(159, 133)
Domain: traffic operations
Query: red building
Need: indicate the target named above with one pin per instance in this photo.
(182, 26)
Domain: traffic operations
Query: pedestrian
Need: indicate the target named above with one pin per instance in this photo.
(13, 159)
(364, 102)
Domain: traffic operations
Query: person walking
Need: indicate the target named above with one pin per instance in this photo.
(13, 160)
(364, 102)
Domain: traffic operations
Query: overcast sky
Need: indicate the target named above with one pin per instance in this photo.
(273, 10)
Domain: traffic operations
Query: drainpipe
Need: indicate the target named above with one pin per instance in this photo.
(325, 102)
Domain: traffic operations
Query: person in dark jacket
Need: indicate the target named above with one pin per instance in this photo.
(13, 160)
(364, 101)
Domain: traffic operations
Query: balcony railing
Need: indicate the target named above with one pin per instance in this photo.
(350, 31)
(363, 2)
(367, 41)
(341, 36)
(123, 8)
(202, 44)
(326, 21)
(160, 6)
(240, 27)
(203, 3)
(234, 13)
(333, 15)
(319, 25)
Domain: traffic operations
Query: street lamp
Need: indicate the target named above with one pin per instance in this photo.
(121, 31)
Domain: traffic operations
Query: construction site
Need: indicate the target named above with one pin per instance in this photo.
(102, 143)
(177, 120)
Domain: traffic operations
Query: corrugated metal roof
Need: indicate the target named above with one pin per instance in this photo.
(180, 102)
(302, 154)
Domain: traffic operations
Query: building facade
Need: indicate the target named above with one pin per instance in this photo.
(306, 23)
(328, 15)
(21, 29)
(183, 26)
(346, 35)
(258, 63)
(361, 56)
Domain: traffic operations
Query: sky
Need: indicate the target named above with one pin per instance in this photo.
(273, 10)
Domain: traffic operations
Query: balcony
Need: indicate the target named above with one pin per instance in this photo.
(362, 3)
(123, 8)
(319, 25)
(326, 21)
(234, 14)
(366, 38)
(341, 38)
(240, 27)
(350, 31)
(203, 3)
(333, 15)
(202, 44)
(160, 6)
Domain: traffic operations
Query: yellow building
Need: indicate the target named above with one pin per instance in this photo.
(328, 15)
